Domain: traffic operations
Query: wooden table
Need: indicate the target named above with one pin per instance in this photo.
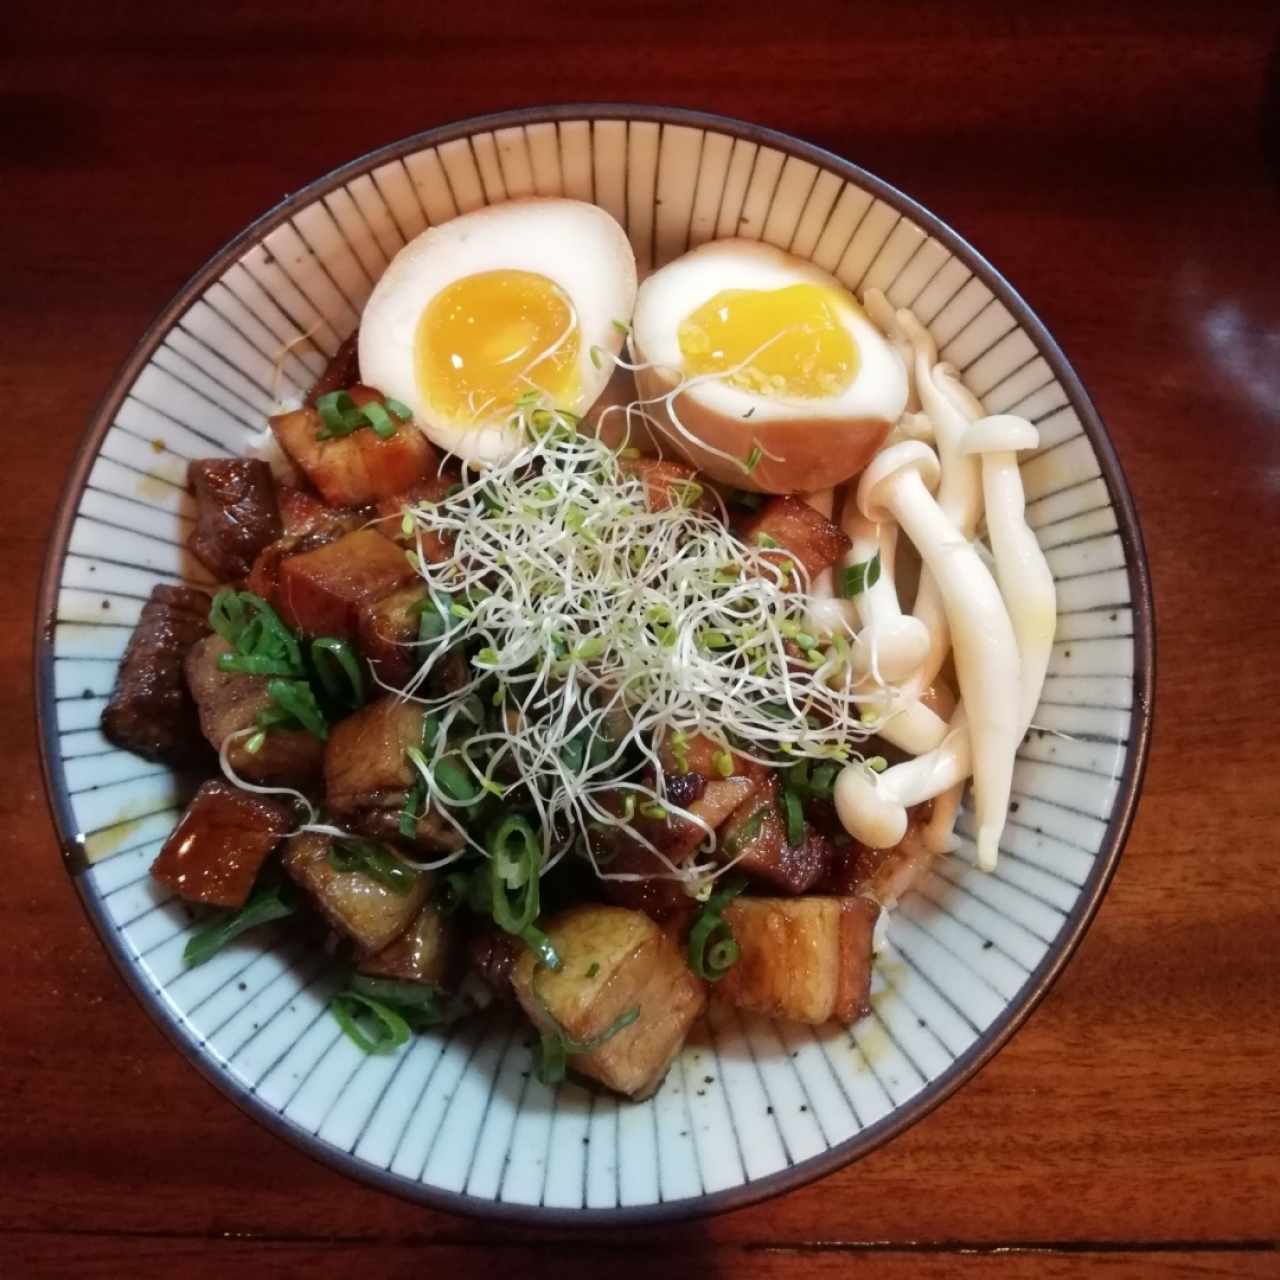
(1113, 165)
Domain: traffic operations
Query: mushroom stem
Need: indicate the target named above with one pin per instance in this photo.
(1026, 581)
(880, 311)
(939, 833)
(896, 640)
(986, 650)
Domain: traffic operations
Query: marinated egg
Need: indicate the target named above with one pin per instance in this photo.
(475, 313)
(781, 383)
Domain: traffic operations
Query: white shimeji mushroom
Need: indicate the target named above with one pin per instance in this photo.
(1026, 581)
(885, 318)
(898, 484)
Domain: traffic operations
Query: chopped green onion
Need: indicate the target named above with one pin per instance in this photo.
(264, 905)
(400, 409)
(384, 1033)
(374, 860)
(455, 780)
(556, 1046)
(421, 1004)
(766, 540)
(339, 670)
(857, 578)
(749, 830)
(713, 951)
(753, 459)
(261, 643)
(541, 946)
(793, 816)
(515, 854)
(593, 969)
(296, 698)
(379, 420)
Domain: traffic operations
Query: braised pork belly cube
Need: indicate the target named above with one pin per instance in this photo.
(803, 959)
(491, 956)
(428, 951)
(368, 775)
(236, 514)
(303, 515)
(666, 484)
(613, 962)
(698, 753)
(886, 875)
(366, 911)
(320, 592)
(386, 631)
(151, 712)
(215, 853)
(229, 703)
(755, 838)
(802, 534)
(342, 370)
(433, 487)
(359, 468)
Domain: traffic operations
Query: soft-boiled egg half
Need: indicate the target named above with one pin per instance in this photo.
(763, 369)
(474, 314)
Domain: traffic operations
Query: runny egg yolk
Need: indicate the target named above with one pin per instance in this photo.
(791, 342)
(487, 339)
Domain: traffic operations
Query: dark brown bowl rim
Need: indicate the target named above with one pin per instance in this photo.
(991, 1040)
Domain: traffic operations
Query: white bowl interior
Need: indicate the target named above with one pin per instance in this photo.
(460, 1111)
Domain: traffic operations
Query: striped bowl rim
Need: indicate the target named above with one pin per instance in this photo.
(992, 1038)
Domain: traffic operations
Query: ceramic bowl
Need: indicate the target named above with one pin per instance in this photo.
(750, 1108)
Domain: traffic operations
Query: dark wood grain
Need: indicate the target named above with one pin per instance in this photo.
(1110, 160)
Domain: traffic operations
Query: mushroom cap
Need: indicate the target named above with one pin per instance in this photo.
(1000, 433)
(910, 455)
(876, 820)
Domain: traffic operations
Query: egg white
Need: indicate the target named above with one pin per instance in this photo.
(578, 246)
(878, 390)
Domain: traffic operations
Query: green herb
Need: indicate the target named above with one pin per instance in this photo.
(593, 969)
(766, 540)
(401, 410)
(296, 699)
(338, 668)
(420, 1004)
(455, 780)
(264, 905)
(375, 861)
(713, 950)
(340, 416)
(753, 459)
(515, 854)
(749, 830)
(261, 644)
(372, 1025)
(793, 816)
(857, 578)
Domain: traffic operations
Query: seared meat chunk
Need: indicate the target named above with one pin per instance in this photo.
(358, 468)
(368, 775)
(428, 951)
(666, 484)
(151, 712)
(802, 534)
(755, 837)
(215, 853)
(342, 370)
(614, 962)
(805, 959)
(236, 514)
(229, 703)
(883, 874)
(321, 591)
(433, 487)
(302, 515)
(386, 630)
(369, 913)
(491, 956)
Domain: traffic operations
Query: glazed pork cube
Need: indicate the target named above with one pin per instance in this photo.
(342, 370)
(359, 468)
(229, 703)
(236, 514)
(368, 775)
(666, 484)
(151, 711)
(803, 959)
(321, 591)
(303, 515)
(433, 487)
(802, 534)
(215, 853)
(428, 951)
(755, 838)
(386, 630)
(883, 874)
(369, 913)
(613, 962)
